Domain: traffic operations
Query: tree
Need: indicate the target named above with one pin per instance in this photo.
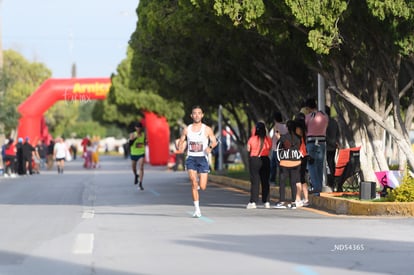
(182, 50)
(19, 79)
(358, 46)
(126, 104)
(193, 56)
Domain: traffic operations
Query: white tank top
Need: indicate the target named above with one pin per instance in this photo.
(197, 142)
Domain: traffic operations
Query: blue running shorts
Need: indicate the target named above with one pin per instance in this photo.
(199, 164)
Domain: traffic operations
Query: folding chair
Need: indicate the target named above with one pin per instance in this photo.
(348, 174)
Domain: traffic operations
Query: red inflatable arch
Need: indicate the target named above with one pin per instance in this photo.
(32, 123)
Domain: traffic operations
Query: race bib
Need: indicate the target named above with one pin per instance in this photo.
(195, 146)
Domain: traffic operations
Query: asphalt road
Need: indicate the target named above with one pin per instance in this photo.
(97, 222)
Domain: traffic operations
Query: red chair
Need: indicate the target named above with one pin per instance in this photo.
(348, 174)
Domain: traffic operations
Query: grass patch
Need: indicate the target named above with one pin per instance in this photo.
(356, 197)
(350, 196)
(237, 174)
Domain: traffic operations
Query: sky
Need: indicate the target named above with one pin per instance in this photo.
(93, 34)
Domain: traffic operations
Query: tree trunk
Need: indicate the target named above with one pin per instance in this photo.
(402, 142)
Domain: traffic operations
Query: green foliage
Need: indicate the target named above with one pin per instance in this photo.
(321, 17)
(404, 192)
(240, 11)
(19, 79)
(385, 8)
(125, 104)
(83, 128)
(406, 45)
(187, 53)
(324, 13)
(62, 116)
(184, 51)
(116, 132)
(241, 174)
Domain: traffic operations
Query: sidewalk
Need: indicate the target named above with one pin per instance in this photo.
(328, 202)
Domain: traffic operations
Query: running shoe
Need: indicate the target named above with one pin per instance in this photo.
(280, 205)
(266, 205)
(305, 203)
(299, 203)
(197, 213)
(251, 205)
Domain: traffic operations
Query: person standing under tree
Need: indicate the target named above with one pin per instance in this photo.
(279, 129)
(302, 187)
(21, 165)
(259, 146)
(290, 159)
(41, 149)
(50, 155)
(332, 143)
(200, 141)
(10, 159)
(28, 151)
(137, 143)
(316, 124)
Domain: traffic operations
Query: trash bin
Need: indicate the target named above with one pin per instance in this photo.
(367, 190)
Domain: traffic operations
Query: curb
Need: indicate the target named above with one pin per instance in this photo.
(331, 204)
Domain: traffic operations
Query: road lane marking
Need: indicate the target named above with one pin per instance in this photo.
(155, 193)
(305, 270)
(83, 243)
(88, 214)
(92, 198)
(203, 218)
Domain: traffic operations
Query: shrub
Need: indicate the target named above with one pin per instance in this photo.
(405, 192)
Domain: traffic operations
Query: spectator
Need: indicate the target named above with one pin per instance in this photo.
(332, 143)
(259, 146)
(302, 187)
(85, 143)
(316, 124)
(95, 153)
(50, 157)
(125, 146)
(278, 129)
(10, 159)
(21, 167)
(74, 150)
(28, 151)
(172, 161)
(290, 161)
(3, 150)
(41, 149)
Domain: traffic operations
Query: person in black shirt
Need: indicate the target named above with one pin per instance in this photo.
(28, 150)
(332, 144)
(50, 160)
(21, 168)
(41, 149)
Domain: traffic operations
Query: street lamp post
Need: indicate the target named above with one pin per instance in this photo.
(2, 136)
(220, 145)
(321, 106)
